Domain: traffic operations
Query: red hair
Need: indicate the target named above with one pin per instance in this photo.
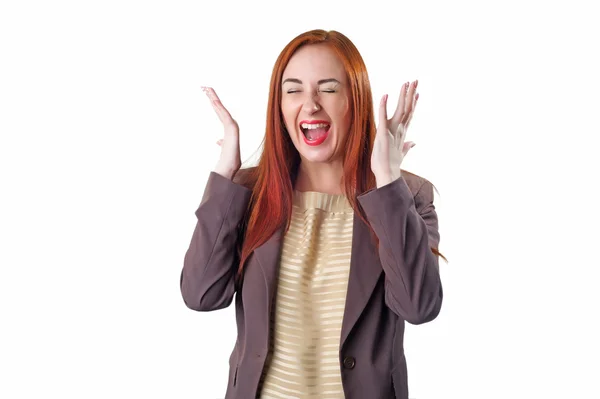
(272, 180)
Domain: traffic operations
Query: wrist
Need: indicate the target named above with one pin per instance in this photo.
(385, 179)
(226, 172)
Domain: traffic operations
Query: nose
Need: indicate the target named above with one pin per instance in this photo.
(311, 105)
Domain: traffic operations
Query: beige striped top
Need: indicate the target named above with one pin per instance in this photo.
(303, 361)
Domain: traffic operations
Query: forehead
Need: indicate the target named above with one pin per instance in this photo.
(315, 62)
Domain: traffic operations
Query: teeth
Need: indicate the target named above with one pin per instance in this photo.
(313, 125)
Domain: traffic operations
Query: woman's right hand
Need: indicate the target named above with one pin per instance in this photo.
(230, 160)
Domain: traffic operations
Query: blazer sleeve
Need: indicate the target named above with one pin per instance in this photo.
(407, 227)
(210, 265)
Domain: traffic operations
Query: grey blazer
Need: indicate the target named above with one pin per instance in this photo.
(386, 288)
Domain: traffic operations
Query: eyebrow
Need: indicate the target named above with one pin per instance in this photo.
(320, 82)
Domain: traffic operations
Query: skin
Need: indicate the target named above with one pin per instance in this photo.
(315, 87)
(390, 147)
(321, 167)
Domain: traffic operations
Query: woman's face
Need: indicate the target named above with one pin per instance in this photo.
(316, 103)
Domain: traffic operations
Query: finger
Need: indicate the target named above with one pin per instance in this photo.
(412, 112)
(383, 113)
(219, 142)
(407, 147)
(410, 99)
(397, 117)
(411, 108)
(400, 135)
(218, 106)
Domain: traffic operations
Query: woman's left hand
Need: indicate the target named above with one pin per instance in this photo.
(390, 147)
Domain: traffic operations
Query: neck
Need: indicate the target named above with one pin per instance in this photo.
(321, 177)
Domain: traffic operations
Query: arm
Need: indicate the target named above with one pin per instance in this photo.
(208, 277)
(407, 227)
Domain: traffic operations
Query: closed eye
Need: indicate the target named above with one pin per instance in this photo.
(292, 91)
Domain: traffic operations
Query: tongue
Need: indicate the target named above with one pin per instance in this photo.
(313, 134)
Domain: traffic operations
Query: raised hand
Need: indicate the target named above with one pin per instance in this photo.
(230, 159)
(390, 148)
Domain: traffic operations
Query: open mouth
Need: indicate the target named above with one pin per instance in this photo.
(314, 132)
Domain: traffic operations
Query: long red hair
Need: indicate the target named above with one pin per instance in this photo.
(270, 206)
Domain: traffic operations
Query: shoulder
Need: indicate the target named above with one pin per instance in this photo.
(421, 188)
(415, 182)
(418, 185)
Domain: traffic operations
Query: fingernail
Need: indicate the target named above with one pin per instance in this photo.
(416, 83)
(413, 144)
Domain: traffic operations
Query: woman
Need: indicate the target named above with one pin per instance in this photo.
(329, 245)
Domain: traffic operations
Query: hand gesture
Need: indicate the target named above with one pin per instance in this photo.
(230, 160)
(390, 148)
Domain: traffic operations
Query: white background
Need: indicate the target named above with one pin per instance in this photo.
(107, 142)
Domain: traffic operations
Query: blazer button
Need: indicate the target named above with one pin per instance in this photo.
(349, 362)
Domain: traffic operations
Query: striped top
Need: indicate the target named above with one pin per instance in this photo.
(303, 360)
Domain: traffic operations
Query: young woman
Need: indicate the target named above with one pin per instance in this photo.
(329, 246)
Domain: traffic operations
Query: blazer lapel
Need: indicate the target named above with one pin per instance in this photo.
(268, 256)
(365, 271)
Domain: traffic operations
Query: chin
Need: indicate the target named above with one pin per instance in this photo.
(321, 155)
(312, 158)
